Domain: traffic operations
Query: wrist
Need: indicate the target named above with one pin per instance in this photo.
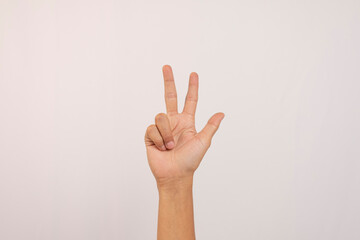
(176, 184)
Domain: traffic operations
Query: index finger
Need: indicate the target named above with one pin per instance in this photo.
(170, 90)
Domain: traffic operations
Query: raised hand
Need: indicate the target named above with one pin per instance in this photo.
(174, 148)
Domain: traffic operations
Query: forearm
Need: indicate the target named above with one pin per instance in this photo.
(176, 217)
(174, 150)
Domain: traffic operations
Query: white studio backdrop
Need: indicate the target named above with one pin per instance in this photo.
(81, 80)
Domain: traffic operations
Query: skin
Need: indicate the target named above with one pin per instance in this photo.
(174, 150)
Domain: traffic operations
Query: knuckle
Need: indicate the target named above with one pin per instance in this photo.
(191, 98)
(213, 126)
(205, 143)
(158, 142)
(168, 138)
(168, 79)
(150, 129)
(171, 95)
(159, 116)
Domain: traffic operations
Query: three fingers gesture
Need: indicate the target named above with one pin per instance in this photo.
(174, 148)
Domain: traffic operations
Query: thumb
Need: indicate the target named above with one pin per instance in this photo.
(207, 133)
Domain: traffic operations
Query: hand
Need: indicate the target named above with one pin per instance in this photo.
(174, 148)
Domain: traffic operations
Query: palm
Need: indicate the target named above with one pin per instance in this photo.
(185, 157)
(190, 146)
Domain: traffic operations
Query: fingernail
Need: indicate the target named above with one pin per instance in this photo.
(163, 148)
(170, 144)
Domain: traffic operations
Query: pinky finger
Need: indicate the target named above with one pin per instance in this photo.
(153, 137)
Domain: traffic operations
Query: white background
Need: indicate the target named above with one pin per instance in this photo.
(81, 80)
